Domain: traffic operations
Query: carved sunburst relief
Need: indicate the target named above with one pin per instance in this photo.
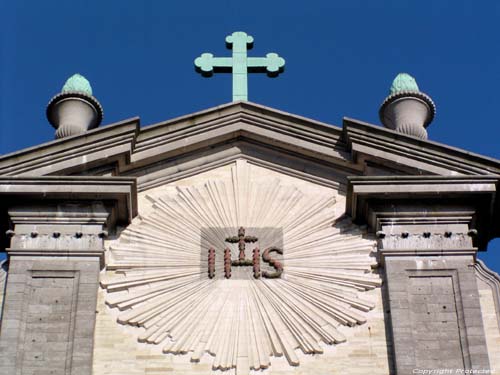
(242, 269)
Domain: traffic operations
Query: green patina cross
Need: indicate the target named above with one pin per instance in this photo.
(240, 65)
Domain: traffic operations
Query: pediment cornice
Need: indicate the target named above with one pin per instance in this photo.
(358, 148)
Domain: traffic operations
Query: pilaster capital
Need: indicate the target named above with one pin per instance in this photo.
(430, 215)
(64, 216)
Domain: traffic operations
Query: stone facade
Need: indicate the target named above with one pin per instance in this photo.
(108, 236)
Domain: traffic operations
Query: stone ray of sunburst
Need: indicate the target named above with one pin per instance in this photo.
(206, 326)
(249, 205)
(323, 327)
(329, 240)
(157, 238)
(200, 209)
(309, 227)
(311, 246)
(318, 328)
(280, 206)
(177, 221)
(328, 263)
(230, 203)
(291, 319)
(272, 341)
(133, 276)
(222, 219)
(176, 210)
(143, 314)
(336, 251)
(117, 283)
(359, 277)
(266, 194)
(182, 217)
(126, 300)
(260, 348)
(213, 189)
(165, 240)
(178, 217)
(157, 252)
(307, 210)
(221, 335)
(356, 283)
(325, 255)
(331, 251)
(129, 291)
(150, 264)
(183, 324)
(341, 295)
(240, 189)
(328, 305)
(360, 251)
(213, 343)
(284, 338)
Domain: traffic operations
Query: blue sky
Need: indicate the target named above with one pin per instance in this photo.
(341, 58)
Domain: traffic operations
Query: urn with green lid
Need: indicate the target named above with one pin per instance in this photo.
(407, 110)
(74, 110)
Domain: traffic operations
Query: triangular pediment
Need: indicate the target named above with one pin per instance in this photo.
(201, 141)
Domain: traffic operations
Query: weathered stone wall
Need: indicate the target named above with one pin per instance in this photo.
(433, 315)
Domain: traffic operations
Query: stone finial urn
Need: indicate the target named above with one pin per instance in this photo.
(74, 110)
(407, 110)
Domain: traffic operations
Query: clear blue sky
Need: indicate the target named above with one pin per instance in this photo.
(341, 58)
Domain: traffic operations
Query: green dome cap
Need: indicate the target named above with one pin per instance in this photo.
(404, 82)
(78, 83)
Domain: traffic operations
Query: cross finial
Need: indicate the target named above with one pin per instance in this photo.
(239, 64)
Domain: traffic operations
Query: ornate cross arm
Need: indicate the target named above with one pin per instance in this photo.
(207, 64)
(273, 64)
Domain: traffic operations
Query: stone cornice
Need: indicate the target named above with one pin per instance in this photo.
(120, 192)
(110, 145)
(235, 122)
(460, 201)
(411, 155)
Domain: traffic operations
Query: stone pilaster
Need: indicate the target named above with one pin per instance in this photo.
(428, 233)
(55, 255)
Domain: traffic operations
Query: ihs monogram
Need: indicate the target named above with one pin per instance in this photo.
(242, 261)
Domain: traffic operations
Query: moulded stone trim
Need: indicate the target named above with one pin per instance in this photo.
(110, 145)
(122, 191)
(3, 279)
(433, 200)
(493, 280)
(124, 146)
(309, 169)
(411, 155)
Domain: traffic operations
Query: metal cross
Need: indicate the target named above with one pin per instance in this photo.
(240, 65)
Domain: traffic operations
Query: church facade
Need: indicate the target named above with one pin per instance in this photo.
(246, 240)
